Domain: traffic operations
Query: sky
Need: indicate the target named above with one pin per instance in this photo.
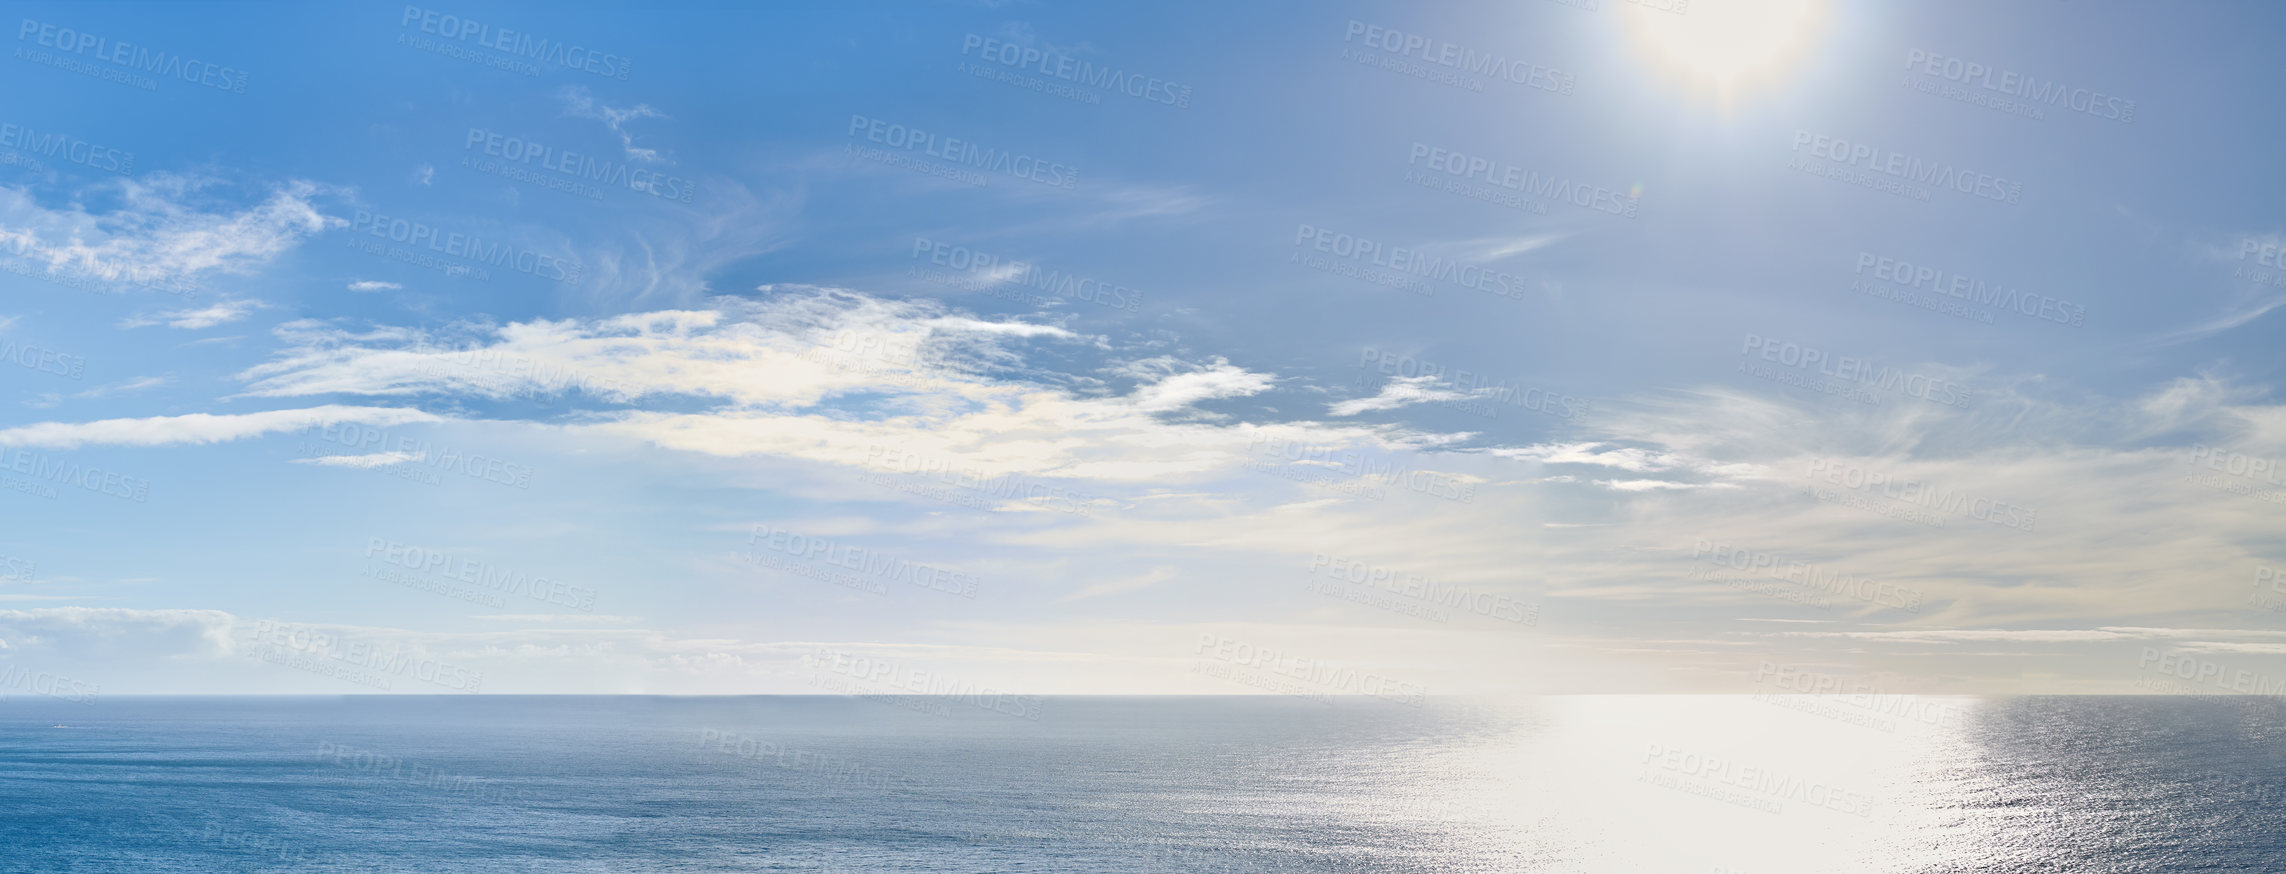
(1010, 349)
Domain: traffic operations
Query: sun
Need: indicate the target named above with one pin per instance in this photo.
(1723, 45)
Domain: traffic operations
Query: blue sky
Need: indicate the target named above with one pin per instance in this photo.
(1328, 348)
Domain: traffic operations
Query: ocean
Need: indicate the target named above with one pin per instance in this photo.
(1706, 784)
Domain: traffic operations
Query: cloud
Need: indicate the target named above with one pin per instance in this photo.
(1971, 635)
(808, 391)
(1498, 248)
(820, 375)
(798, 347)
(1216, 381)
(106, 633)
(373, 285)
(2235, 648)
(581, 103)
(363, 462)
(1401, 391)
(166, 229)
(218, 313)
(1648, 485)
(199, 428)
(2243, 313)
(1631, 459)
(2065, 635)
(1136, 582)
(140, 383)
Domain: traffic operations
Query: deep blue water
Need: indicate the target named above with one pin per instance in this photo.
(627, 784)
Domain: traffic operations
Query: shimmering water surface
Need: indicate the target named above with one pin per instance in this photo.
(626, 784)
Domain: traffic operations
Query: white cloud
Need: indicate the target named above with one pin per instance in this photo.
(373, 285)
(937, 385)
(1219, 380)
(140, 383)
(166, 229)
(1132, 583)
(1627, 458)
(580, 103)
(200, 427)
(218, 313)
(363, 462)
(796, 348)
(1653, 485)
(1401, 391)
(104, 633)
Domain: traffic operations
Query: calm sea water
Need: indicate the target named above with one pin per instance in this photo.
(628, 784)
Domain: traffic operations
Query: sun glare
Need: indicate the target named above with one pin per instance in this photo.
(1723, 45)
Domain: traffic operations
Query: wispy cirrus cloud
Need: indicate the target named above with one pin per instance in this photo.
(165, 227)
(363, 462)
(581, 103)
(196, 428)
(220, 312)
(1400, 392)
